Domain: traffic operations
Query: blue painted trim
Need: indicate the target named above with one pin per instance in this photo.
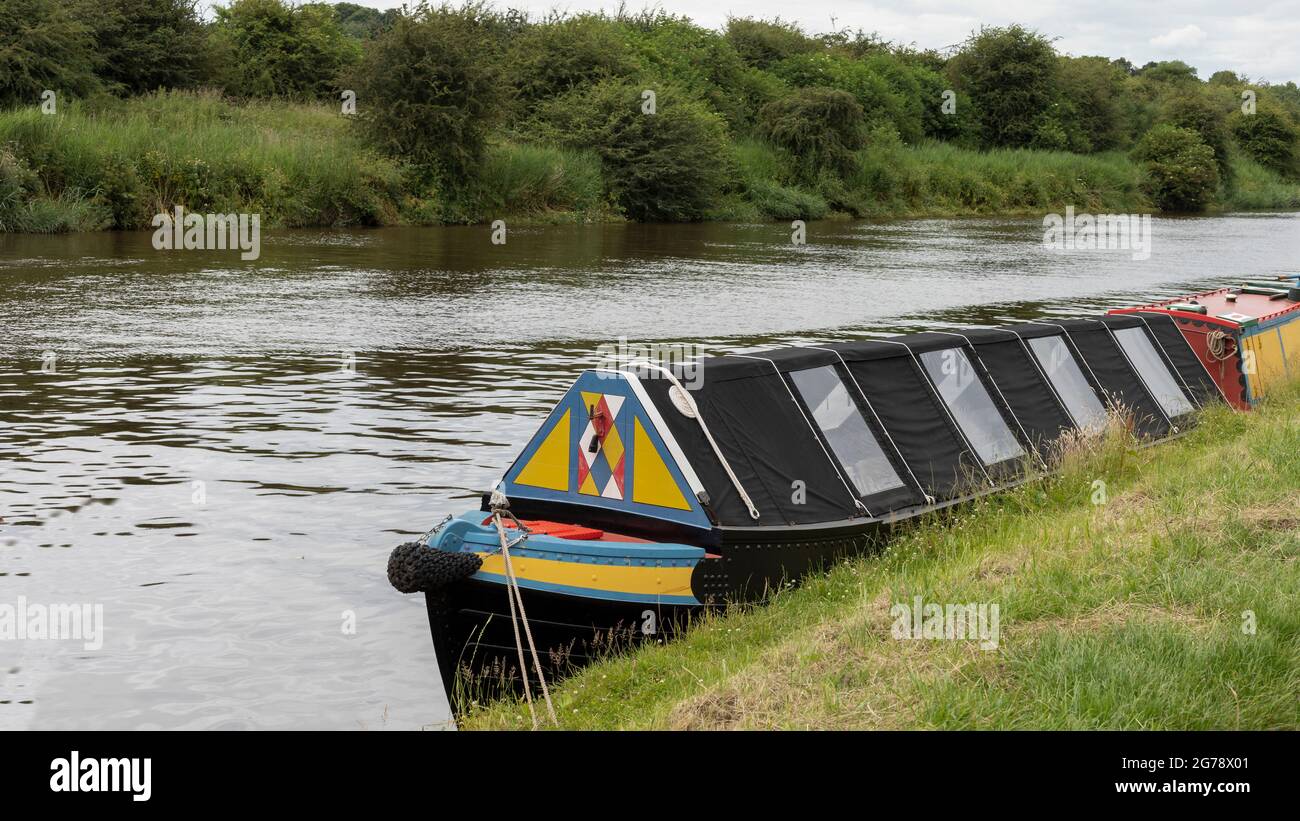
(467, 533)
(616, 384)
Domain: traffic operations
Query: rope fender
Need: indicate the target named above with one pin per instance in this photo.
(413, 567)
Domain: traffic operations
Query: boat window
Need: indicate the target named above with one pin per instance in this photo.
(1153, 371)
(840, 421)
(970, 404)
(1080, 399)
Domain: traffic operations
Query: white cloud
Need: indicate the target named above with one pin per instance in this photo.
(1252, 37)
(1187, 36)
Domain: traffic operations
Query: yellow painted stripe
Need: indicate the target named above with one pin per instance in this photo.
(1269, 361)
(549, 467)
(652, 481)
(663, 581)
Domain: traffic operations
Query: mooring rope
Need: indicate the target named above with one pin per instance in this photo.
(499, 504)
(1216, 344)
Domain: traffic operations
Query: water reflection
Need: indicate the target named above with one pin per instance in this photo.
(225, 452)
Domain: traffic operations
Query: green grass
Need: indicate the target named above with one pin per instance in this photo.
(939, 179)
(107, 163)
(1125, 614)
(1255, 187)
(541, 182)
(295, 164)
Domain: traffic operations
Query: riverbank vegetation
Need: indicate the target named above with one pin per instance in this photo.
(114, 110)
(1137, 589)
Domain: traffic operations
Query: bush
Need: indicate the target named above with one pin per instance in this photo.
(268, 48)
(555, 57)
(43, 46)
(761, 44)
(1196, 110)
(664, 166)
(704, 63)
(879, 101)
(1269, 137)
(819, 127)
(144, 45)
(1011, 77)
(1180, 171)
(1090, 91)
(428, 92)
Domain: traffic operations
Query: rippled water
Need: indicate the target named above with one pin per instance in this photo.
(225, 452)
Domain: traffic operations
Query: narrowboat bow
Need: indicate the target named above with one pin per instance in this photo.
(641, 501)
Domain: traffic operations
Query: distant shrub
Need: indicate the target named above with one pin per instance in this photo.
(761, 43)
(1090, 92)
(144, 45)
(703, 62)
(1010, 75)
(1197, 111)
(43, 45)
(1269, 137)
(268, 48)
(429, 93)
(819, 127)
(552, 58)
(667, 166)
(1180, 171)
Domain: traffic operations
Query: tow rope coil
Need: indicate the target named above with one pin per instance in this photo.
(1217, 345)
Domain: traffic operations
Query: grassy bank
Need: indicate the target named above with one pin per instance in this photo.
(1127, 613)
(114, 164)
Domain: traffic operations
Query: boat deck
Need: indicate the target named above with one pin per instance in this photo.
(1227, 304)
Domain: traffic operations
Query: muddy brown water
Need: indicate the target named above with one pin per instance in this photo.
(221, 453)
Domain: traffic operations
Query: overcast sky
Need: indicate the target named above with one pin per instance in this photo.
(1257, 39)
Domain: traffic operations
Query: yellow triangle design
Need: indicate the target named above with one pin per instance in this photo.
(549, 467)
(652, 481)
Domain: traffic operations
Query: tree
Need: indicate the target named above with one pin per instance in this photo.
(760, 43)
(819, 127)
(664, 166)
(363, 22)
(1169, 71)
(1194, 109)
(429, 90)
(555, 57)
(146, 45)
(43, 47)
(272, 49)
(1090, 90)
(1180, 173)
(1269, 136)
(1010, 75)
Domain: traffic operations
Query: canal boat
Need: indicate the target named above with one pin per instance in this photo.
(645, 499)
(1247, 336)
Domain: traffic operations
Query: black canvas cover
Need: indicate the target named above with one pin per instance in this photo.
(1174, 345)
(765, 438)
(918, 425)
(1023, 386)
(1117, 378)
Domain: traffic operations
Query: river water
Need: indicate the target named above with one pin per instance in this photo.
(221, 454)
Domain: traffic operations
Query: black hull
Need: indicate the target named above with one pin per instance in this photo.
(474, 637)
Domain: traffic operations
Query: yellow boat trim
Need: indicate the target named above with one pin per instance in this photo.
(631, 579)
